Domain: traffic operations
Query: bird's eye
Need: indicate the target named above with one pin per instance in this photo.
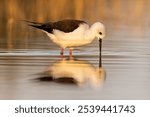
(100, 33)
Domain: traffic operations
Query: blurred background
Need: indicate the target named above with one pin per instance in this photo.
(26, 53)
(15, 34)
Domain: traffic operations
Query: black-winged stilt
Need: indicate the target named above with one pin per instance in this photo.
(71, 33)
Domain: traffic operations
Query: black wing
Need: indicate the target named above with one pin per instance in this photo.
(67, 25)
(64, 25)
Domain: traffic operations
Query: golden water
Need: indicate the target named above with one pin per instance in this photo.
(28, 59)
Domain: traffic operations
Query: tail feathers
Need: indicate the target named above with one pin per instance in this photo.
(35, 26)
(43, 26)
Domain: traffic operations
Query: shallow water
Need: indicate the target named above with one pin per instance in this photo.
(31, 67)
(42, 74)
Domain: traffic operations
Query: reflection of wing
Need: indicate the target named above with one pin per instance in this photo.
(78, 71)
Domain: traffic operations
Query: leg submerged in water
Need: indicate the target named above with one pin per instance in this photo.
(70, 52)
(62, 51)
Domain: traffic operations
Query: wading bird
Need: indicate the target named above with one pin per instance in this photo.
(71, 33)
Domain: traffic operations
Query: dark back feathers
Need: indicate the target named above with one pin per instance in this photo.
(64, 25)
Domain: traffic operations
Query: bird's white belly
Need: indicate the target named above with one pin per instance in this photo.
(75, 38)
(71, 43)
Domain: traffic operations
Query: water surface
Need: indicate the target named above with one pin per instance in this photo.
(31, 67)
(25, 74)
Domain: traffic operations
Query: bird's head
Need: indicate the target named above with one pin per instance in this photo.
(99, 30)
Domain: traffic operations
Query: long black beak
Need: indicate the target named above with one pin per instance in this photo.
(100, 45)
(100, 51)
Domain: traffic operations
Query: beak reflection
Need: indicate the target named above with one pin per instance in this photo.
(76, 72)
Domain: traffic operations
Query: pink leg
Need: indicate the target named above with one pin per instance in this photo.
(62, 52)
(70, 52)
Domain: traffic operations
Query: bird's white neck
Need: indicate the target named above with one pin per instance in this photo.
(90, 34)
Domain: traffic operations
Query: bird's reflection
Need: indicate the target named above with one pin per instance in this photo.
(74, 71)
